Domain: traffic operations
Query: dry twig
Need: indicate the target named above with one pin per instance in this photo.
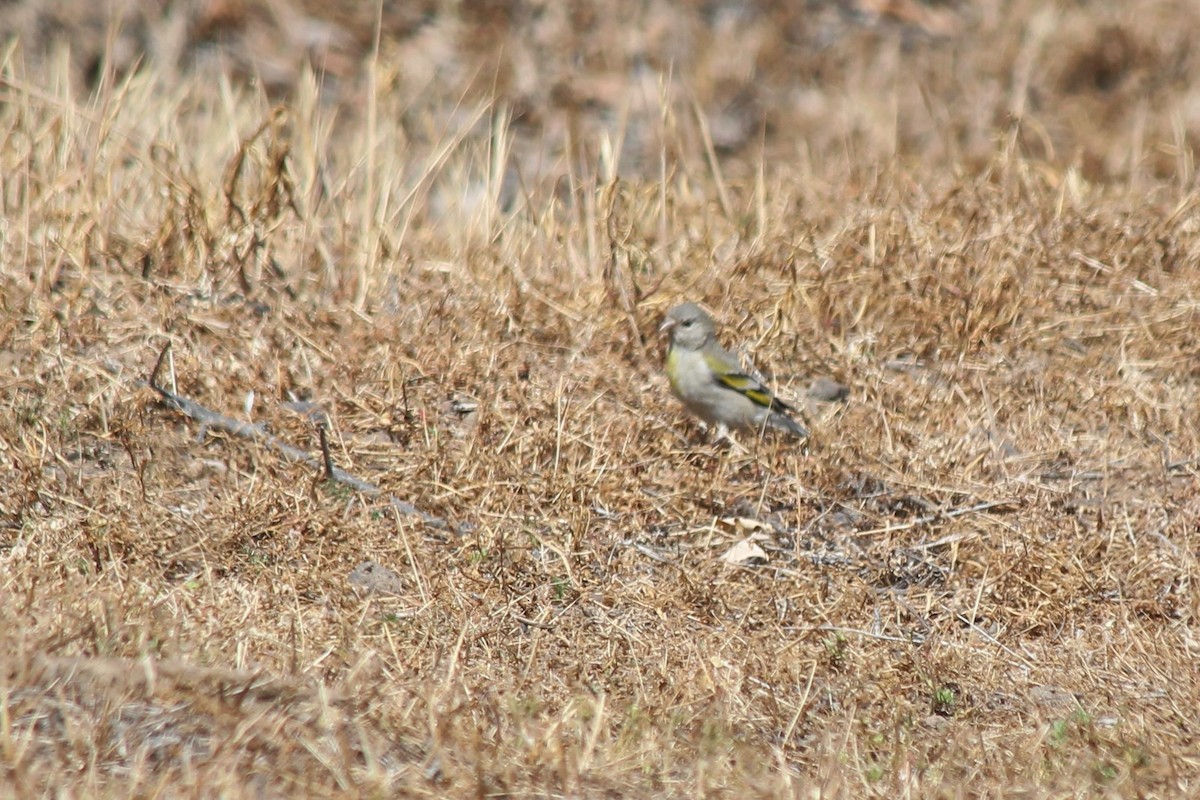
(258, 432)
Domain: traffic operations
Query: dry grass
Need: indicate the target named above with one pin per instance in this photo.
(982, 219)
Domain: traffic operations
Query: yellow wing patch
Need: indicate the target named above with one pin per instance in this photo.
(751, 388)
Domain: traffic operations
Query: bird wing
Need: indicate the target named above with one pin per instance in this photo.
(752, 388)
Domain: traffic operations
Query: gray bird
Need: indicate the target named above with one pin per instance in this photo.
(709, 380)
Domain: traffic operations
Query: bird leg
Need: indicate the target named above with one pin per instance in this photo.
(723, 433)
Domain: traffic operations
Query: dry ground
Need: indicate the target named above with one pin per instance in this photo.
(976, 579)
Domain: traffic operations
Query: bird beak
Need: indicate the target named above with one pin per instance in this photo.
(667, 325)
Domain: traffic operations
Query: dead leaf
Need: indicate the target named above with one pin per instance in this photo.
(745, 552)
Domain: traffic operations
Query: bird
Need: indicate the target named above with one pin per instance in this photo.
(710, 381)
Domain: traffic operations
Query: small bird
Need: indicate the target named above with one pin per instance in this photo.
(709, 380)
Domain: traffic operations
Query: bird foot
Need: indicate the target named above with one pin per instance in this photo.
(724, 434)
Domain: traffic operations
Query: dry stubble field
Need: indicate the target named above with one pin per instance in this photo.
(455, 246)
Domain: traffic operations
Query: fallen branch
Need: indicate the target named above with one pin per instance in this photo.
(259, 433)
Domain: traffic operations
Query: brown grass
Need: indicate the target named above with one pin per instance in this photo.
(459, 244)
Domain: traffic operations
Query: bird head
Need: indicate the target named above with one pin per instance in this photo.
(689, 325)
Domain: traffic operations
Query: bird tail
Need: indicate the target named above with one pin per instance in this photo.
(782, 422)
